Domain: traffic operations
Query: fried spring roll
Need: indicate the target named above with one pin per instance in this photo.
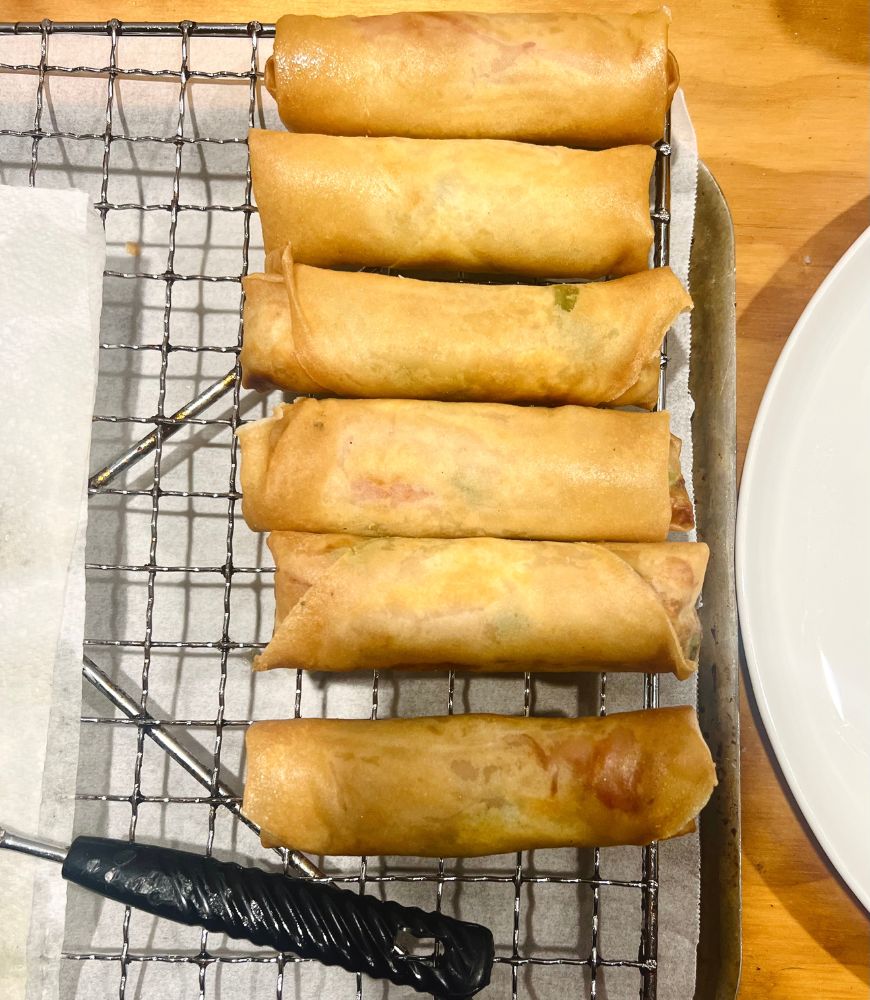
(470, 785)
(349, 603)
(377, 336)
(453, 470)
(460, 204)
(576, 79)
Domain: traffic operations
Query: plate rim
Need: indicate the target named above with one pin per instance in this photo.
(799, 333)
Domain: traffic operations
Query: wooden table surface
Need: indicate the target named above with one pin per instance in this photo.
(778, 90)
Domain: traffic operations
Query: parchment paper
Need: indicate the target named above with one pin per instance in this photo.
(554, 920)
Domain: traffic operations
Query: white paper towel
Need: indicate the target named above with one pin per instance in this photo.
(684, 190)
(555, 920)
(51, 275)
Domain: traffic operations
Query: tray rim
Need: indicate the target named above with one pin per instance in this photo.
(713, 386)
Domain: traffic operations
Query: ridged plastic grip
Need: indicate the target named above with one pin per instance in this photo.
(312, 920)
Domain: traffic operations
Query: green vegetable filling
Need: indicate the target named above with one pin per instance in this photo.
(566, 296)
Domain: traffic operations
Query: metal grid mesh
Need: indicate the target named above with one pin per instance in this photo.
(522, 953)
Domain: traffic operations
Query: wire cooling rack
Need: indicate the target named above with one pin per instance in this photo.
(139, 630)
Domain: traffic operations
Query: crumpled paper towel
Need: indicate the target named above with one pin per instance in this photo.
(52, 251)
(684, 193)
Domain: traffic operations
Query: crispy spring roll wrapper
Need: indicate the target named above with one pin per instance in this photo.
(378, 336)
(461, 204)
(576, 79)
(349, 603)
(452, 470)
(470, 785)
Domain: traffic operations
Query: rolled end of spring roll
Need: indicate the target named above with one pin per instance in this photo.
(349, 603)
(471, 785)
(371, 335)
(576, 79)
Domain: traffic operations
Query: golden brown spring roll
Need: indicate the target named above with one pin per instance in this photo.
(576, 79)
(452, 470)
(346, 603)
(470, 785)
(460, 204)
(372, 335)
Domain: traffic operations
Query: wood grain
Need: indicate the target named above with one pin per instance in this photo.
(778, 90)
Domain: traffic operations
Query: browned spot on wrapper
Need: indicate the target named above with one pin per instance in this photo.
(615, 772)
(464, 769)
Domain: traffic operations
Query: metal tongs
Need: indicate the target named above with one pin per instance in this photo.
(311, 918)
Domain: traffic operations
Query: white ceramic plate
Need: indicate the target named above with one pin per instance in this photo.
(803, 564)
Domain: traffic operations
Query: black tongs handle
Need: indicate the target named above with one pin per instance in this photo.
(311, 919)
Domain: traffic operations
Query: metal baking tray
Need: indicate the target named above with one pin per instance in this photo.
(712, 382)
